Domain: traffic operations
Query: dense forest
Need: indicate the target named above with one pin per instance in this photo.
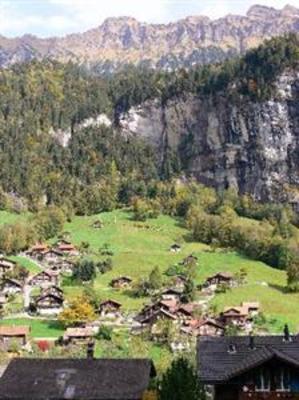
(38, 101)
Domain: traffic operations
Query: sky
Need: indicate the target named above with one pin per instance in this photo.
(60, 17)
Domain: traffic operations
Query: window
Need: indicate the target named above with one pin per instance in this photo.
(282, 380)
(262, 383)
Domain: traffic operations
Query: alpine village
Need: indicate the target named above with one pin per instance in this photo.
(149, 208)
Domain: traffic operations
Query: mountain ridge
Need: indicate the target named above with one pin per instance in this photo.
(125, 40)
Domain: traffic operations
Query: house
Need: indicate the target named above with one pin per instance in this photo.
(78, 335)
(189, 260)
(11, 286)
(49, 303)
(98, 224)
(152, 318)
(186, 311)
(63, 266)
(13, 335)
(45, 278)
(68, 249)
(203, 327)
(6, 266)
(235, 316)
(248, 367)
(175, 248)
(51, 256)
(121, 282)
(221, 278)
(76, 379)
(109, 308)
(55, 290)
(37, 250)
(172, 294)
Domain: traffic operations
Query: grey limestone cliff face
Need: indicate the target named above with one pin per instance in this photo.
(252, 146)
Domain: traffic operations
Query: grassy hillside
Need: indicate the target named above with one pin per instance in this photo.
(138, 247)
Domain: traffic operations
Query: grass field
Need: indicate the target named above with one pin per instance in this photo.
(39, 328)
(138, 247)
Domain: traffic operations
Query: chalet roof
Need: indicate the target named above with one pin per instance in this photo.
(66, 247)
(39, 247)
(145, 319)
(224, 275)
(115, 303)
(53, 289)
(188, 308)
(106, 379)
(122, 278)
(14, 330)
(5, 262)
(55, 251)
(48, 272)
(238, 310)
(174, 291)
(79, 332)
(13, 281)
(218, 364)
(54, 296)
(175, 246)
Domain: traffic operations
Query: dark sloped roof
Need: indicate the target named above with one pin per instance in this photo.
(217, 364)
(75, 379)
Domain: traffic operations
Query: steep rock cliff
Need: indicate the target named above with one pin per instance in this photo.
(252, 146)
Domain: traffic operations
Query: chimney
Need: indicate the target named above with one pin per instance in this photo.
(251, 342)
(286, 332)
(90, 350)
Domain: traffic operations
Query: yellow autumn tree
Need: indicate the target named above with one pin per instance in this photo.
(78, 312)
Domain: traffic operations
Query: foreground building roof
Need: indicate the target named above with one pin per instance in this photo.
(75, 379)
(223, 358)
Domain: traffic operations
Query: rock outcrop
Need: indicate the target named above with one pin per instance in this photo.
(252, 146)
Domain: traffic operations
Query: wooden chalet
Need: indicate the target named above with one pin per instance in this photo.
(203, 327)
(6, 266)
(13, 334)
(55, 290)
(121, 283)
(38, 250)
(250, 368)
(98, 224)
(68, 249)
(109, 308)
(78, 335)
(186, 311)
(11, 286)
(239, 315)
(172, 294)
(51, 256)
(45, 278)
(63, 266)
(175, 248)
(48, 303)
(221, 278)
(76, 379)
(151, 317)
(235, 316)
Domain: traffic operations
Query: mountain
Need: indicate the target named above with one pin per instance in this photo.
(187, 42)
(64, 131)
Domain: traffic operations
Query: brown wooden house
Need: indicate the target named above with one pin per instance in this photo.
(175, 248)
(6, 266)
(51, 256)
(49, 303)
(121, 283)
(76, 379)
(250, 368)
(78, 335)
(203, 327)
(221, 278)
(189, 260)
(109, 308)
(68, 249)
(235, 316)
(38, 250)
(11, 286)
(13, 334)
(45, 278)
(63, 266)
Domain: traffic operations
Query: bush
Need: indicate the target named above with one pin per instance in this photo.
(84, 270)
(105, 333)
